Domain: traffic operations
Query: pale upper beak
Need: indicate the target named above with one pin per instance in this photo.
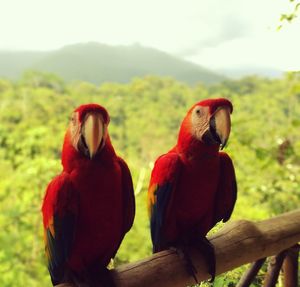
(222, 124)
(93, 131)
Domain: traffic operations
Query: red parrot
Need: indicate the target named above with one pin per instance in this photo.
(193, 186)
(89, 206)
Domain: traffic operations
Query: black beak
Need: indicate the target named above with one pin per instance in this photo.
(219, 128)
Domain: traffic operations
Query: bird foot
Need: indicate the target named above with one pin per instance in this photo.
(101, 278)
(183, 254)
(208, 251)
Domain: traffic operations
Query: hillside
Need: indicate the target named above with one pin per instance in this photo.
(98, 63)
(14, 63)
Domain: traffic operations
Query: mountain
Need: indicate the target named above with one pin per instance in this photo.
(98, 63)
(14, 63)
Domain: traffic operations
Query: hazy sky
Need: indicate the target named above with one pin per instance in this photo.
(214, 33)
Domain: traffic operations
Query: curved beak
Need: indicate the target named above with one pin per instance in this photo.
(93, 130)
(222, 124)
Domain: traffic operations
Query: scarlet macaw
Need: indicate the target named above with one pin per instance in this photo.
(193, 186)
(89, 206)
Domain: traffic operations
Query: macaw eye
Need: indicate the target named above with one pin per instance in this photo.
(198, 112)
(73, 119)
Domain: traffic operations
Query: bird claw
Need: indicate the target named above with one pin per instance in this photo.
(183, 254)
(208, 251)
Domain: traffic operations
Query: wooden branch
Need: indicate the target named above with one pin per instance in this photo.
(275, 263)
(249, 276)
(290, 267)
(237, 243)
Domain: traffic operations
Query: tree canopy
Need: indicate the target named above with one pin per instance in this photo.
(145, 118)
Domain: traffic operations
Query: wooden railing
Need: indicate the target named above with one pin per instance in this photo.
(237, 243)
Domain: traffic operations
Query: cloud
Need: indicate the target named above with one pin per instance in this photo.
(230, 27)
(278, 50)
(232, 20)
(246, 36)
(209, 32)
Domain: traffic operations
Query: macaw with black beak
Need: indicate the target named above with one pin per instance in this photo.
(193, 186)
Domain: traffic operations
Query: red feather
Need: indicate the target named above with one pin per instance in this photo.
(97, 197)
(192, 187)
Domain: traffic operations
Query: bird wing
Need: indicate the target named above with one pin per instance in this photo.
(59, 209)
(128, 196)
(227, 189)
(160, 197)
(128, 201)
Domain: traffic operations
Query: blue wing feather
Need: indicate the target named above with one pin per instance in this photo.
(164, 179)
(59, 246)
(59, 234)
(163, 194)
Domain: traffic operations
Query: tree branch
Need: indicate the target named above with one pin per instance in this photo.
(238, 243)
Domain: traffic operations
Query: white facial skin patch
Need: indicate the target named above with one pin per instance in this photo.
(200, 121)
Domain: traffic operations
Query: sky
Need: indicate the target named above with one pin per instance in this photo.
(217, 34)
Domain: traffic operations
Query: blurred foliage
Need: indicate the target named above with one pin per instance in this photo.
(291, 15)
(145, 117)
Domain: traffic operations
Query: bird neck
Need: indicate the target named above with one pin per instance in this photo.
(191, 148)
(72, 159)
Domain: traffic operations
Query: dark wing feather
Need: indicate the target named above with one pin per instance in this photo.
(128, 201)
(59, 209)
(160, 198)
(128, 196)
(227, 190)
(159, 208)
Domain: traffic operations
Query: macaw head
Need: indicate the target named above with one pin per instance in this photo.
(88, 129)
(208, 122)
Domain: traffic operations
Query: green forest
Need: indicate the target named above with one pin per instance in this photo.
(145, 118)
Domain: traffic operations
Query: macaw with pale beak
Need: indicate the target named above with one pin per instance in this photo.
(89, 207)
